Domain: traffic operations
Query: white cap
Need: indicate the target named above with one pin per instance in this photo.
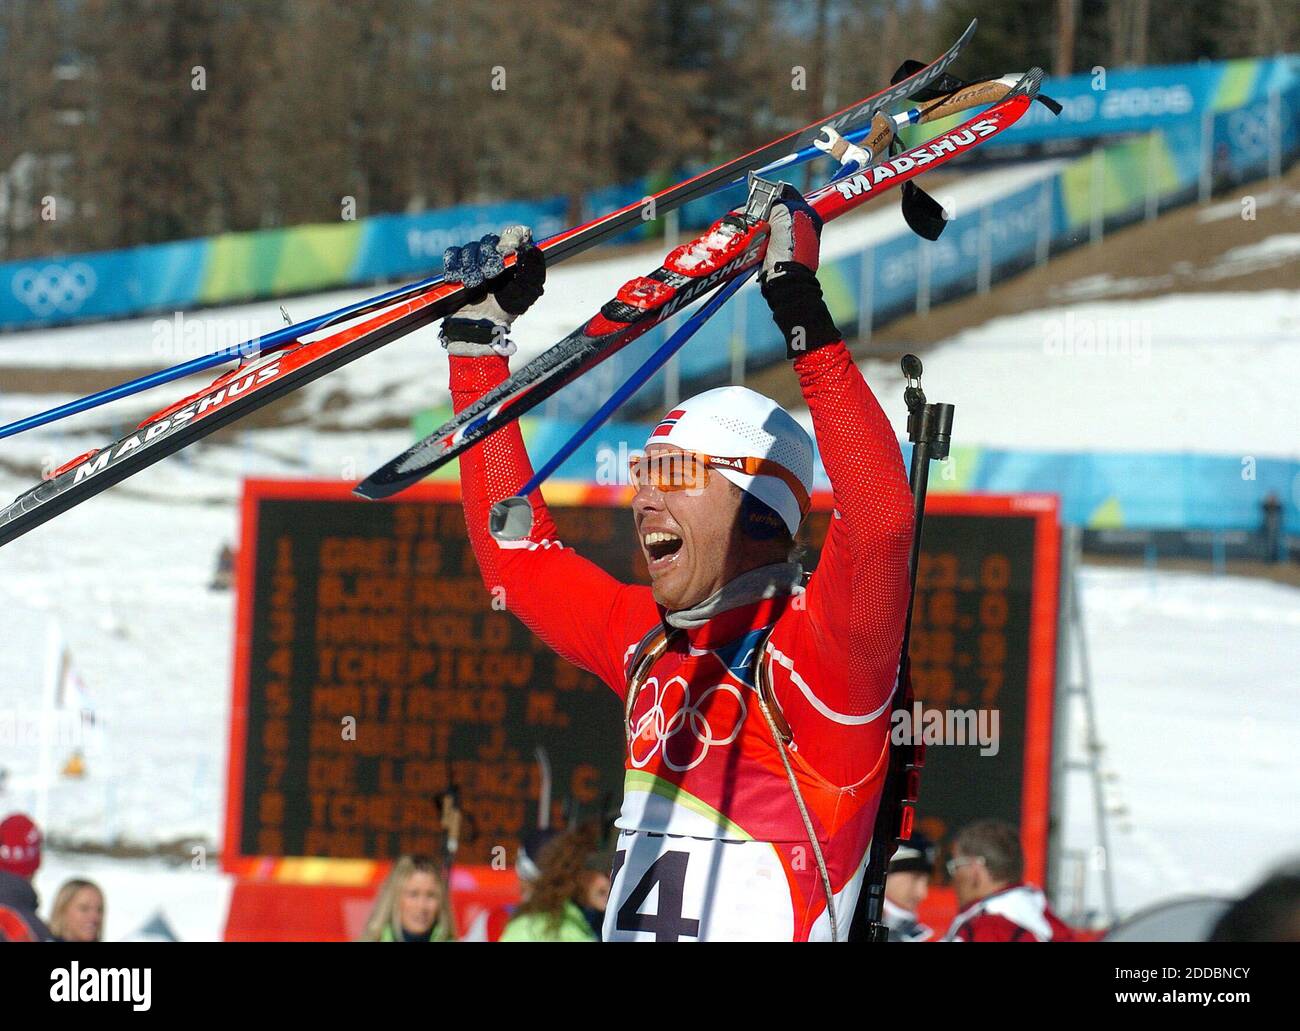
(736, 422)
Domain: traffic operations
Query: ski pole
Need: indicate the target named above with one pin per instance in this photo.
(282, 337)
(511, 518)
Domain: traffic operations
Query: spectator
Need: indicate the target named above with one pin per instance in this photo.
(987, 871)
(414, 905)
(1270, 913)
(906, 886)
(78, 912)
(223, 577)
(566, 902)
(1271, 530)
(20, 857)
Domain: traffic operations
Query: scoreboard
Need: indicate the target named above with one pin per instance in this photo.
(373, 670)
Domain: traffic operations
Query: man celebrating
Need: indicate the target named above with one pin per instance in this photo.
(756, 707)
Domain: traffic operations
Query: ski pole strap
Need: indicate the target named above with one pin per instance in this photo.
(763, 684)
(646, 654)
(471, 331)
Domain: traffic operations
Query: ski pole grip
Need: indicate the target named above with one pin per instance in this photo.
(876, 142)
(977, 94)
(881, 135)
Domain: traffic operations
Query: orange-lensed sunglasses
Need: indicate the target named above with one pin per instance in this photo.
(689, 470)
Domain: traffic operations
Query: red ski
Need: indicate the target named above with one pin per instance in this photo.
(732, 245)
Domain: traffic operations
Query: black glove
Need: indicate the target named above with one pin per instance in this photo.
(495, 296)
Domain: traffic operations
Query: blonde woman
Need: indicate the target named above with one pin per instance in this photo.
(78, 913)
(413, 905)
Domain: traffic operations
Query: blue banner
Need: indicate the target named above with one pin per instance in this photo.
(1151, 491)
(1116, 102)
(411, 246)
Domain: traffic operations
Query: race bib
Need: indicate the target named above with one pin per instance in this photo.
(677, 888)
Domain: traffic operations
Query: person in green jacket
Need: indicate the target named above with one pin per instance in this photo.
(567, 901)
(414, 905)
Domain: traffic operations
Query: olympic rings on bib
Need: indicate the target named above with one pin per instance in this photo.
(661, 730)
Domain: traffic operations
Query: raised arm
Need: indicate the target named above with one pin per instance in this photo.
(573, 605)
(857, 598)
(849, 632)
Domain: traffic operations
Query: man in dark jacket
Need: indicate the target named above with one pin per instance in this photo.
(20, 857)
(907, 885)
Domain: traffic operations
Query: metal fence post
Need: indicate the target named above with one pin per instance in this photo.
(739, 318)
(984, 266)
(1043, 245)
(1206, 183)
(1274, 134)
(922, 278)
(1097, 228)
(866, 294)
(1153, 194)
(672, 374)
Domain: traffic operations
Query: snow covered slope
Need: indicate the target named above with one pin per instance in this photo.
(1195, 686)
(1211, 373)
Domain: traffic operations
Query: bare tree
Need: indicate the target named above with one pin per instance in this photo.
(1066, 24)
(147, 120)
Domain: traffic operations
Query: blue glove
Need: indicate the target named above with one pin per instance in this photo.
(495, 296)
(474, 263)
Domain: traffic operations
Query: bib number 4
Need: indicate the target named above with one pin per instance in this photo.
(667, 924)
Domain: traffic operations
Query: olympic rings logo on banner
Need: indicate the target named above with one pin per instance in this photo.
(54, 289)
(660, 729)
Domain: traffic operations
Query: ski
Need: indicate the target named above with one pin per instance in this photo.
(285, 363)
(731, 246)
(795, 148)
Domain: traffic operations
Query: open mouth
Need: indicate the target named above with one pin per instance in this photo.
(661, 548)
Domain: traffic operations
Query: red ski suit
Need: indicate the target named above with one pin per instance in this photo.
(712, 844)
(1018, 913)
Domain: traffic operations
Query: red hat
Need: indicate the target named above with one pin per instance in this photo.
(20, 845)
